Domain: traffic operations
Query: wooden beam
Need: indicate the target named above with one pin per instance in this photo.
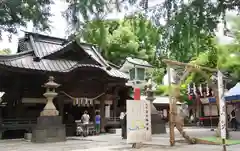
(172, 62)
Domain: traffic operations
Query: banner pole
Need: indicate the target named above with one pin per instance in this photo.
(222, 109)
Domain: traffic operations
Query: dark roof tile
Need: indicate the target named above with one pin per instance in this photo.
(41, 46)
(28, 62)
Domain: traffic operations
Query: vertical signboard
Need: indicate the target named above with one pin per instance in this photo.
(222, 107)
(107, 111)
(138, 121)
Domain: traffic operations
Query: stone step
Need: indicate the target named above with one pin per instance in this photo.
(112, 131)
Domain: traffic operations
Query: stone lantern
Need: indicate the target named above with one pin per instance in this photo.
(49, 127)
(136, 69)
(50, 94)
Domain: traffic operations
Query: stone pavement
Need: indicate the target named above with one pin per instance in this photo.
(113, 142)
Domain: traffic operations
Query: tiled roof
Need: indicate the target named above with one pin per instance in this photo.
(137, 61)
(26, 61)
(41, 47)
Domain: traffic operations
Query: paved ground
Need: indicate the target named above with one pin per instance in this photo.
(113, 142)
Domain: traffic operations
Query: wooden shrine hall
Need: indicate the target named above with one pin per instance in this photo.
(87, 82)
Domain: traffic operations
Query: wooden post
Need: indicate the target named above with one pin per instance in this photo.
(60, 104)
(171, 117)
(115, 102)
(102, 113)
(222, 109)
(94, 112)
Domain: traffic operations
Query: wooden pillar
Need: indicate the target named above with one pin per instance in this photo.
(60, 104)
(115, 103)
(94, 112)
(171, 109)
(102, 113)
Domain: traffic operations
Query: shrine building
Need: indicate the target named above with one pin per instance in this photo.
(87, 82)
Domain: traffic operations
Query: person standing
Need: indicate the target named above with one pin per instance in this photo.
(234, 120)
(122, 115)
(85, 120)
(97, 122)
(125, 126)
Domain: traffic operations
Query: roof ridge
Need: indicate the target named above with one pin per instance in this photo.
(114, 65)
(44, 35)
(35, 50)
(100, 56)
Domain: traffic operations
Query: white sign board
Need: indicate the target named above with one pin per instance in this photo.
(107, 111)
(138, 121)
(222, 108)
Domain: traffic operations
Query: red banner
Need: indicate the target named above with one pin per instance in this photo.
(137, 93)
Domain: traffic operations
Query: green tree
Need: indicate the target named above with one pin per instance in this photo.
(189, 29)
(15, 13)
(130, 37)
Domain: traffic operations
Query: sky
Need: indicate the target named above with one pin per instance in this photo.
(59, 25)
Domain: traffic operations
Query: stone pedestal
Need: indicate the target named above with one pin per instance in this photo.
(158, 125)
(49, 129)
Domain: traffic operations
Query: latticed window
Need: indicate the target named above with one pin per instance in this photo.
(22, 45)
(132, 73)
(140, 73)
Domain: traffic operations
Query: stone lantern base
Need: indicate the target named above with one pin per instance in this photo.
(49, 129)
(158, 125)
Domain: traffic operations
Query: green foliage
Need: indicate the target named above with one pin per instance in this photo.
(163, 90)
(221, 58)
(15, 13)
(158, 74)
(5, 51)
(187, 35)
(189, 29)
(130, 37)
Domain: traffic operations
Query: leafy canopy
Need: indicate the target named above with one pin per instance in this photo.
(130, 37)
(16, 13)
(189, 25)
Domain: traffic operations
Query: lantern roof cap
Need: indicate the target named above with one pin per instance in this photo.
(51, 83)
(134, 62)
